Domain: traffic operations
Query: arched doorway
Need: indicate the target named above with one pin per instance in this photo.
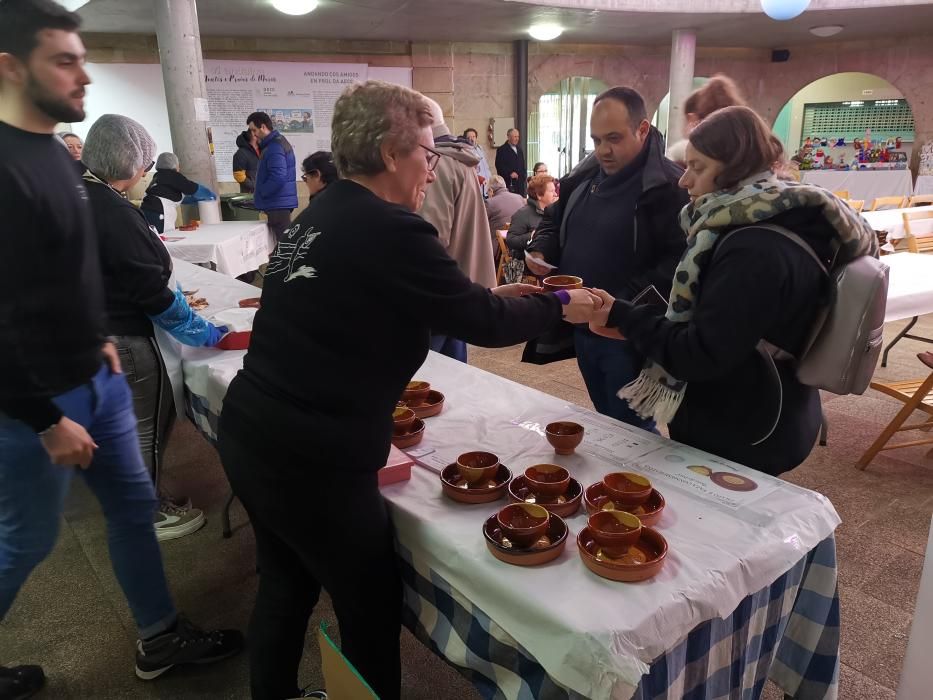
(559, 130)
(844, 106)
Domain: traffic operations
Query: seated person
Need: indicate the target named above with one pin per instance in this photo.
(318, 171)
(166, 191)
(501, 204)
(541, 194)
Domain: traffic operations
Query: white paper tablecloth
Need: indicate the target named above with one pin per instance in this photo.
(910, 287)
(233, 247)
(594, 636)
(892, 221)
(862, 184)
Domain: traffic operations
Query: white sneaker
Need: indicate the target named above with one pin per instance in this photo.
(173, 521)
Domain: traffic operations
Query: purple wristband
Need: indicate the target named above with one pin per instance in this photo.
(563, 295)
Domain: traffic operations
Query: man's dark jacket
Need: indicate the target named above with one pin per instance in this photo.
(658, 242)
(508, 162)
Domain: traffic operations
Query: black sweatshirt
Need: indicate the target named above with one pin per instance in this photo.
(758, 285)
(51, 303)
(350, 298)
(168, 184)
(134, 262)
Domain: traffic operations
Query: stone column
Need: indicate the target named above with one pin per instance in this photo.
(683, 55)
(185, 90)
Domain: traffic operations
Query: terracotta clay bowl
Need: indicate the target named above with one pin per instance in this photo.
(649, 512)
(251, 303)
(555, 282)
(402, 419)
(546, 548)
(412, 437)
(523, 523)
(614, 531)
(477, 466)
(455, 488)
(564, 505)
(564, 436)
(416, 390)
(548, 481)
(641, 561)
(627, 488)
(431, 406)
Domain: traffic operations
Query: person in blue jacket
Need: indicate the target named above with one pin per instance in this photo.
(276, 190)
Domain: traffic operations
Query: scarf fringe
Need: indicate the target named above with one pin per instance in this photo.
(651, 399)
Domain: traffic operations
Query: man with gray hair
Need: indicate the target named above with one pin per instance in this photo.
(64, 402)
(166, 191)
(454, 206)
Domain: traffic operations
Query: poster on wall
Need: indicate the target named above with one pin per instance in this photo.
(298, 97)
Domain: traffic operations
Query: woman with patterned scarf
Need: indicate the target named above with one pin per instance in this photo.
(708, 375)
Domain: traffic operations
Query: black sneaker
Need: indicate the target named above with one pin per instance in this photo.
(186, 644)
(319, 694)
(20, 682)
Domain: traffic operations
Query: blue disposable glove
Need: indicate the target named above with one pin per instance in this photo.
(202, 195)
(215, 334)
(186, 326)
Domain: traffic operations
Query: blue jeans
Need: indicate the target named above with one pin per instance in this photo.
(607, 365)
(451, 347)
(32, 493)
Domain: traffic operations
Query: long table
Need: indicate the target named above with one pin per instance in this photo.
(910, 294)
(748, 590)
(862, 184)
(891, 221)
(231, 247)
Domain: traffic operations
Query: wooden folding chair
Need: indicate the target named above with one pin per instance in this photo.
(920, 200)
(914, 244)
(915, 394)
(842, 194)
(857, 204)
(893, 202)
(504, 255)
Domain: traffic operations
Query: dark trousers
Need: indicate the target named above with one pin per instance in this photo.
(607, 365)
(153, 401)
(279, 219)
(316, 527)
(451, 347)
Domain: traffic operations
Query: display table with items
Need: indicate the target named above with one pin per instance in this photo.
(732, 578)
(862, 184)
(231, 247)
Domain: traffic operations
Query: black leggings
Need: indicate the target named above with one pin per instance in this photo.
(316, 527)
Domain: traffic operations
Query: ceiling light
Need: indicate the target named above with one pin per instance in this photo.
(826, 30)
(294, 7)
(546, 31)
(783, 9)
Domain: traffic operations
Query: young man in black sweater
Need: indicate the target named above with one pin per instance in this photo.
(63, 401)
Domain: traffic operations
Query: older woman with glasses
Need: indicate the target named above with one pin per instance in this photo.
(350, 298)
(318, 171)
(136, 269)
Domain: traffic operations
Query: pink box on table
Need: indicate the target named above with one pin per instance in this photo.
(397, 468)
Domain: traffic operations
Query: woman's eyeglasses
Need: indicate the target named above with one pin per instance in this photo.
(433, 157)
(149, 167)
(309, 174)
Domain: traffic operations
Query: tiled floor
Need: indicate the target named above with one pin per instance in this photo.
(71, 617)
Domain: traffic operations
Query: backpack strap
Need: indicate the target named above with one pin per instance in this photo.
(788, 234)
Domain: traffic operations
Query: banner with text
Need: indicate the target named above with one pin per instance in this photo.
(299, 97)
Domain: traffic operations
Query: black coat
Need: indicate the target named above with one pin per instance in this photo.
(758, 285)
(246, 159)
(657, 248)
(524, 223)
(508, 162)
(660, 242)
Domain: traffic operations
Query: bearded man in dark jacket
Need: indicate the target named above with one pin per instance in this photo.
(615, 224)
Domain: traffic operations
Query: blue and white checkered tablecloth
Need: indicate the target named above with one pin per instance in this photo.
(788, 631)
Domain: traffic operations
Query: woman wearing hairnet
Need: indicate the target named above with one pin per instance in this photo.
(136, 268)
